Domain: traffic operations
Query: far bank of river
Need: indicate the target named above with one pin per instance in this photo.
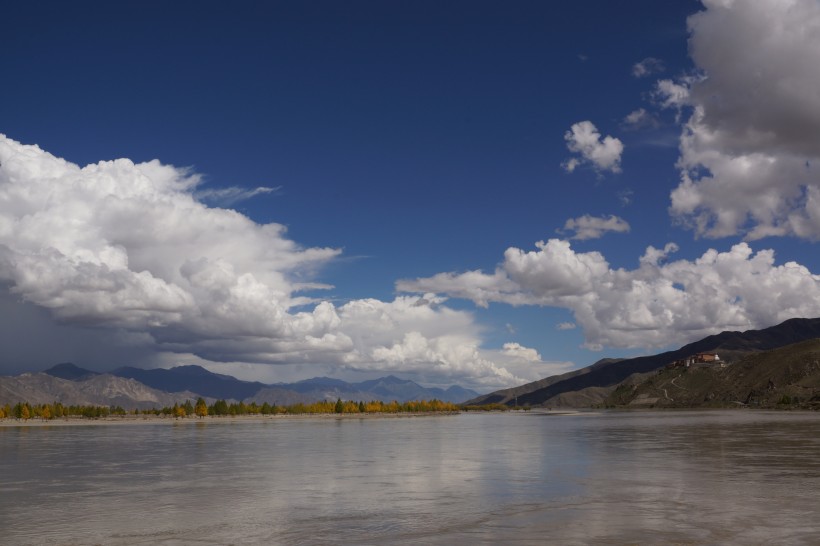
(150, 419)
(162, 419)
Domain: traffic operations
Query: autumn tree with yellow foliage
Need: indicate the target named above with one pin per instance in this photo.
(220, 408)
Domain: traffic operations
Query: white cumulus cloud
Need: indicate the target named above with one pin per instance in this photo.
(602, 153)
(527, 363)
(672, 94)
(749, 150)
(125, 247)
(660, 303)
(519, 351)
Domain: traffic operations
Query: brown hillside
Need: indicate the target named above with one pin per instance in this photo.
(608, 374)
(788, 377)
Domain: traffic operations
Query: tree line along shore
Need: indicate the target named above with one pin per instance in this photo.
(57, 410)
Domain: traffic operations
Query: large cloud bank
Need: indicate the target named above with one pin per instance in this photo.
(130, 247)
(750, 150)
(658, 304)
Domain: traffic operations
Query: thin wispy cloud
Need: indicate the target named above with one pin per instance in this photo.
(648, 67)
(225, 197)
(640, 119)
(591, 227)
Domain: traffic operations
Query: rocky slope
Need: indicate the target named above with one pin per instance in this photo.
(95, 389)
(786, 377)
(514, 395)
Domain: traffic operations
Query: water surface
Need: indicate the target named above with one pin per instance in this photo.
(737, 477)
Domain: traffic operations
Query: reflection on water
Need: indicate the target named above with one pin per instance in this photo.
(612, 478)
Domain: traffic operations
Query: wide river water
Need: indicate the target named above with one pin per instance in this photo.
(731, 477)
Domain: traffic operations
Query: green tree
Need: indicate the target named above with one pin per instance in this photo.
(220, 407)
(201, 408)
(340, 407)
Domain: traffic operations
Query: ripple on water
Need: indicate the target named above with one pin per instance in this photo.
(670, 477)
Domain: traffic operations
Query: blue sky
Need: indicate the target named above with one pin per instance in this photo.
(416, 153)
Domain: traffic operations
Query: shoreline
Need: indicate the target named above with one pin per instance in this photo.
(167, 420)
(131, 420)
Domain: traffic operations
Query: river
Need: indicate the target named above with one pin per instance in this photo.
(706, 477)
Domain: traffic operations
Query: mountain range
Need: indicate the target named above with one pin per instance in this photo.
(592, 385)
(134, 387)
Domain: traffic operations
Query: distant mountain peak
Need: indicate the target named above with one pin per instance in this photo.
(196, 368)
(393, 379)
(321, 381)
(70, 371)
(192, 378)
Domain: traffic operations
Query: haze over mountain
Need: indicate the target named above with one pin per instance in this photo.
(133, 387)
(193, 378)
(591, 385)
(67, 370)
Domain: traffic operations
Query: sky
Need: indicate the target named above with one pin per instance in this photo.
(479, 193)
